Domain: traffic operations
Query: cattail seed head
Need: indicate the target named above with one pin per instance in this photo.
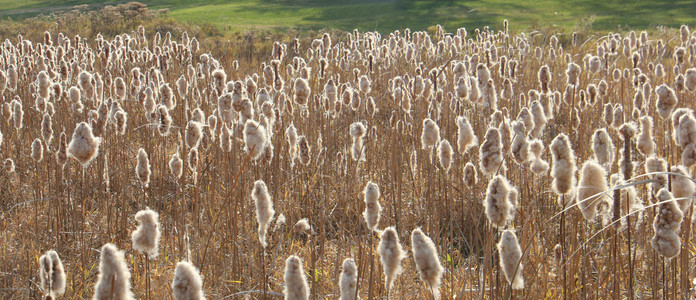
(372, 206)
(391, 254)
(563, 169)
(470, 176)
(176, 165)
(147, 236)
(593, 181)
(427, 261)
(497, 202)
(264, 209)
(666, 100)
(669, 217)
(431, 133)
(84, 146)
(302, 91)
(603, 147)
(9, 165)
(349, 280)
(510, 256)
(295, 281)
(682, 187)
(193, 134)
(645, 143)
(142, 168)
(491, 152)
(444, 154)
(466, 137)
(254, 139)
(37, 150)
(187, 283)
(305, 152)
(114, 276)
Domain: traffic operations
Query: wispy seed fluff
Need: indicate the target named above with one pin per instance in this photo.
(305, 151)
(430, 135)
(603, 147)
(491, 152)
(176, 165)
(37, 150)
(563, 169)
(264, 209)
(470, 176)
(357, 133)
(499, 209)
(254, 139)
(391, 254)
(84, 146)
(538, 166)
(302, 91)
(142, 168)
(593, 181)
(9, 165)
(372, 206)
(187, 283)
(427, 261)
(510, 255)
(444, 153)
(655, 164)
(52, 273)
(519, 148)
(114, 277)
(645, 143)
(466, 137)
(666, 100)
(669, 217)
(193, 134)
(348, 282)
(147, 236)
(295, 281)
(682, 186)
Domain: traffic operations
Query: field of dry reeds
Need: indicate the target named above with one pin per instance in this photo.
(458, 163)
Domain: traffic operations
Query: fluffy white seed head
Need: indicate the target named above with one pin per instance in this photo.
(563, 169)
(142, 168)
(466, 137)
(645, 143)
(666, 100)
(372, 206)
(295, 281)
(593, 181)
(254, 139)
(147, 236)
(427, 261)
(176, 165)
(666, 241)
(444, 153)
(84, 146)
(37, 150)
(491, 152)
(264, 209)
(682, 187)
(187, 283)
(391, 254)
(470, 176)
(510, 255)
(431, 134)
(603, 147)
(348, 282)
(499, 210)
(114, 276)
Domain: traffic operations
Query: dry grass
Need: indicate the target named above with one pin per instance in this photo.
(207, 216)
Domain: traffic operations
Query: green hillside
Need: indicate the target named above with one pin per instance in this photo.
(387, 15)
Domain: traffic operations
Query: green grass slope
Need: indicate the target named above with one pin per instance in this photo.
(388, 15)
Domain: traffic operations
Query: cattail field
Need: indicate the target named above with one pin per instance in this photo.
(455, 163)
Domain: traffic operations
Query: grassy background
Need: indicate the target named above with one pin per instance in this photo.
(388, 15)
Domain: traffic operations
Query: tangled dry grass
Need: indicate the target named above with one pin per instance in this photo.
(191, 164)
